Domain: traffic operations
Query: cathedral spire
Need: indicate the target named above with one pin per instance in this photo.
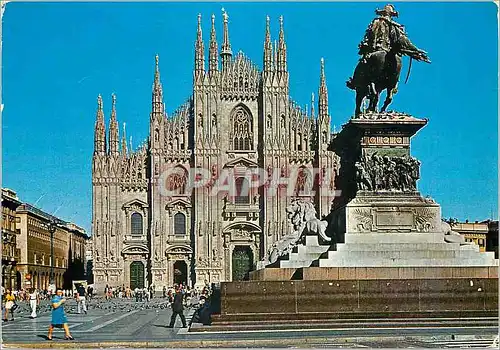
(157, 98)
(268, 48)
(275, 57)
(212, 55)
(281, 49)
(226, 52)
(113, 128)
(199, 61)
(312, 105)
(100, 129)
(157, 88)
(124, 142)
(323, 93)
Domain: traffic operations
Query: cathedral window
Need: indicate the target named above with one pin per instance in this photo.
(176, 181)
(282, 121)
(242, 130)
(269, 121)
(136, 224)
(241, 195)
(179, 224)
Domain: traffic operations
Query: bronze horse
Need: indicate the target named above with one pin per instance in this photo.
(380, 71)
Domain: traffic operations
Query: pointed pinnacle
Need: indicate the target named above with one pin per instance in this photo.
(322, 72)
(100, 113)
(268, 27)
(113, 103)
(199, 27)
(282, 33)
(157, 84)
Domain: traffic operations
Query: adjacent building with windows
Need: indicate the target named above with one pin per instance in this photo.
(10, 251)
(148, 227)
(475, 232)
(34, 243)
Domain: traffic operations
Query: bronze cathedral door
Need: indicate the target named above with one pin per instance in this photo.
(242, 263)
(136, 275)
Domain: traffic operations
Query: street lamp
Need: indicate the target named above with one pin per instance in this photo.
(51, 226)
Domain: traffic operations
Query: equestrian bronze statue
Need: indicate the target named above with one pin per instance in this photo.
(379, 68)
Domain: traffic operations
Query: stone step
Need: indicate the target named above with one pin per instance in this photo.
(454, 262)
(300, 249)
(396, 246)
(295, 264)
(396, 237)
(405, 254)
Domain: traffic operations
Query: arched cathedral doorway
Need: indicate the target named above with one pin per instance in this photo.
(242, 263)
(180, 272)
(136, 275)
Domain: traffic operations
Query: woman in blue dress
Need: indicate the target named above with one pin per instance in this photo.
(58, 316)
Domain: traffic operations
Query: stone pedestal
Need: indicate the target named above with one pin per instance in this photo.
(380, 220)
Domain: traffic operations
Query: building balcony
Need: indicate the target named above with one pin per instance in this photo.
(250, 211)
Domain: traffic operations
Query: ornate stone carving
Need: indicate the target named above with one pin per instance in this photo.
(423, 219)
(302, 216)
(377, 173)
(364, 219)
(241, 235)
(451, 236)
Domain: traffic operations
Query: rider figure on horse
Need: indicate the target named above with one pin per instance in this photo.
(378, 38)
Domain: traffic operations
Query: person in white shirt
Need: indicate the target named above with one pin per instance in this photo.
(34, 301)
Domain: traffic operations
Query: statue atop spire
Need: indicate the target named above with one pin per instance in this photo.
(124, 142)
(281, 49)
(322, 93)
(199, 60)
(157, 88)
(157, 109)
(100, 129)
(225, 52)
(268, 48)
(113, 128)
(212, 55)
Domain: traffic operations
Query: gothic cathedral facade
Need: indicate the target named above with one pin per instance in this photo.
(151, 227)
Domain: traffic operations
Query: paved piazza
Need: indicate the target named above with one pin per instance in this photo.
(114, 320)
(122, 322)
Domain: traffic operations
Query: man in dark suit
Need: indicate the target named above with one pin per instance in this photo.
(177, 308)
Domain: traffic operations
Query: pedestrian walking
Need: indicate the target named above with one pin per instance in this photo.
(10, 301)
(90, 292)
(177, 308)
(80, 298)
(34, 298)
(58, 316)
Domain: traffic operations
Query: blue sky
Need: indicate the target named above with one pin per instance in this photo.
(57, 57)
